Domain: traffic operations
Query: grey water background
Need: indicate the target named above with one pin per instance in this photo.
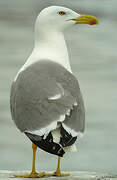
(93, 54)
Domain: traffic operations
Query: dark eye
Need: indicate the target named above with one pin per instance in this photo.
(61, 13)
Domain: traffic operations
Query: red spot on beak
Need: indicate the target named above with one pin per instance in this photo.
(92, 22)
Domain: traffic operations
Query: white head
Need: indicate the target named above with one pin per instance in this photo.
(61, 18)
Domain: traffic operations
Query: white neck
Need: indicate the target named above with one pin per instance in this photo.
(49, 45)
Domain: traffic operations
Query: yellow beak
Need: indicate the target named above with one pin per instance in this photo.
(86, 19)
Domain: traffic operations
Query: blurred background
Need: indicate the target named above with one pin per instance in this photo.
(93, 54)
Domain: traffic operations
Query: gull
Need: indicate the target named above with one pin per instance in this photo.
(46, 101)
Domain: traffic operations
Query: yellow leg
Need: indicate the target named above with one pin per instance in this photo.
(33, 173)
(58, 167)
(58, 171)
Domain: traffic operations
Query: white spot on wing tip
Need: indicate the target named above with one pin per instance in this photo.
(80, 134)
(71, 148)
(56, 135)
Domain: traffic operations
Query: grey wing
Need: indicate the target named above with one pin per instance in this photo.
(40, 105)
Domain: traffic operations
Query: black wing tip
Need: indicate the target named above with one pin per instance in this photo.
(46, 144)
(66, 138)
